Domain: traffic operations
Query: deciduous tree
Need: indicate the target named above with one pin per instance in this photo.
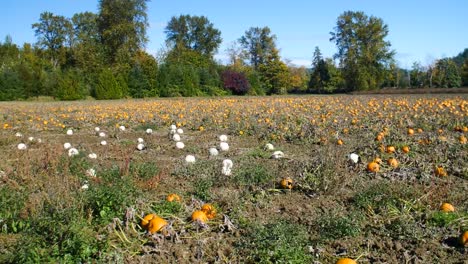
(259, 44)
(363, 51)
(195, 33)
(122, 28)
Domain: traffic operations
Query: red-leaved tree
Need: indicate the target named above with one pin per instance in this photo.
(236, 82)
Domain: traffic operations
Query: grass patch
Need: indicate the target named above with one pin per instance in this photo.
(110, 197)
(253, 174)
(280, 242)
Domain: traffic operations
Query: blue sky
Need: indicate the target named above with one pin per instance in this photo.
(419, 30)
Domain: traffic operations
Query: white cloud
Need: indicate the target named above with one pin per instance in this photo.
(301, 62)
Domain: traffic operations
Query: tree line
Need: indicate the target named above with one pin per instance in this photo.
(103, 55)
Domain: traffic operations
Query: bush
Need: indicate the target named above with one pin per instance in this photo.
(71, 86)
(10, 86)
(110, 87)
(235, 82)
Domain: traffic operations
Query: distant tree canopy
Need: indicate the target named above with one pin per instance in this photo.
(362, 49)
(122, 28)
(195, 33)
(258, 44)
(103, 55)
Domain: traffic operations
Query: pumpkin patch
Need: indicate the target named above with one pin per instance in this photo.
(237, 179)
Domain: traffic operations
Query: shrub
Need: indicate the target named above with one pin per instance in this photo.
(71, 86)
(110, 87)
(236, 82)
(10, 86)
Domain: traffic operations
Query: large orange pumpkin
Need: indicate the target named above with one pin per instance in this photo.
(346, 261)
(373, 166)
(145, 221)
(153, 223)
(199, 216)
(156, 224)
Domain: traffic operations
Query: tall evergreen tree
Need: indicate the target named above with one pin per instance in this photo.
(320, 75)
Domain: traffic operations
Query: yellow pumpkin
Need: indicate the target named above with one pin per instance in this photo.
(286, 183)
(410, 131)
(373, 167)
(173, 198)
(446, 207)
(346, 261)
(199, 216)
(156, 224)
(209, 210)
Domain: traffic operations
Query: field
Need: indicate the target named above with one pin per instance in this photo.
(54, 209)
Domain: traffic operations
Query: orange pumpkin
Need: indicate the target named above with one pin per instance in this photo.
(405, 149)
(286, 183)
(153, 223)
(209, 210)
(462, 139)
(373, 167)
(379, 137)
(173, 198)
(464, 238)
(420, 130)
(446, 207)
(346, 261)
(378, 160)
(393, 162)
(145, 221)
(156, 224)
(199, 216)
(340, 142)
(440, 171)
(410, 131)
(390, 149)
